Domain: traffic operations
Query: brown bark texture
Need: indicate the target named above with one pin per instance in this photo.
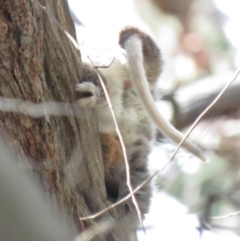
(39, 64)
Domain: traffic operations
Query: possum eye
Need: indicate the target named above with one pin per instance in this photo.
(83, 95)
(86, 94)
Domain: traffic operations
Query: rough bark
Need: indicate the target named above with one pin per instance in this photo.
(38, 64)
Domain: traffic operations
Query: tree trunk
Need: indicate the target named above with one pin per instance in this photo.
(39, 64)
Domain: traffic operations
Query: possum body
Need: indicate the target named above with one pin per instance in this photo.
(133, 118)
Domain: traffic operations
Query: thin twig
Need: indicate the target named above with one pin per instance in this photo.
(70, 37)
(60, 26)
(226, 216)
(202, 115)
(95, 230)
(129, 184)
(171, 158)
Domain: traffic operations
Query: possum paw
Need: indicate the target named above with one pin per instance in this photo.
(88, 94)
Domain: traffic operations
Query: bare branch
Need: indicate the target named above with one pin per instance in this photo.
(188, 103)
(96, 230)
(208, 108)
(45, 109)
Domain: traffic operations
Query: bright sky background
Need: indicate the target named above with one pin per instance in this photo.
(103, 19)
(231, 28)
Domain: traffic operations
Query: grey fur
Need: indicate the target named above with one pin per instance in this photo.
(135, 126)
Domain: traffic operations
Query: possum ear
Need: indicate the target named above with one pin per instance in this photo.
(152, 58)
(140, 48)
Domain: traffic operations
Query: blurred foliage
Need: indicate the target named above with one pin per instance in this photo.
(194, 44)
(190, 33)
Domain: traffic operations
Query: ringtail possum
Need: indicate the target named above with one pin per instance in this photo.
(137, 59)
